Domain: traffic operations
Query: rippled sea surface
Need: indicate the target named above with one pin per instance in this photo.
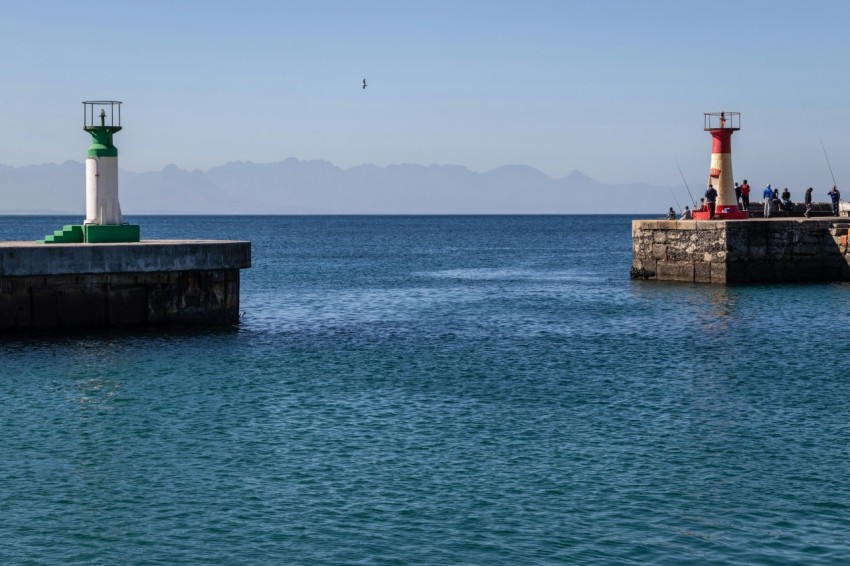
(436, 390)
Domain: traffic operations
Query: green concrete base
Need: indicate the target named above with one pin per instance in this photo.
(94, 234)
(111, 233)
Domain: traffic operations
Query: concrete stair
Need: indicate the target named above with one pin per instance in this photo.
(70, 234)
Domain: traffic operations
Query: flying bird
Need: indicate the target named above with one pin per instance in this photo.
(364, 83)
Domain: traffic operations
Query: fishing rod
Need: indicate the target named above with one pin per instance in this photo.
(834, 184)
(686, 186)
(677, 200)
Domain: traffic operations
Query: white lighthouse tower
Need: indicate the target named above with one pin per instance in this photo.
(721, 125)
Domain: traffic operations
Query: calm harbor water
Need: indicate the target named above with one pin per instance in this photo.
(436, 390)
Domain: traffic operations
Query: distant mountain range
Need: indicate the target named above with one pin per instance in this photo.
(319, 187)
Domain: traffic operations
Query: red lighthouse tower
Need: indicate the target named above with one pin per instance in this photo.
(721, 125)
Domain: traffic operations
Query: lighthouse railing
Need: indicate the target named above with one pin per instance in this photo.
(108, 110)
(722, 121)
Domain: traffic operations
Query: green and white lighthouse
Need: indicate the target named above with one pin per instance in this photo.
(102, 206)
(104, 222)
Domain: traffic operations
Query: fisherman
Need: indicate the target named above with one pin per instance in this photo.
(808, 200)
(686, 214)
(776, 204)
(836, 197)
(787, 205)
(745, 195)
(671, 214)
(738, 195)
(768, 198)
(710, 199)
(701, 205)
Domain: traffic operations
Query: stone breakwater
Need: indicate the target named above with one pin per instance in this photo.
(163, 282)
(741, 251)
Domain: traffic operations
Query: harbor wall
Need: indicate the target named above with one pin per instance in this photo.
(741, 251)
(114, 285)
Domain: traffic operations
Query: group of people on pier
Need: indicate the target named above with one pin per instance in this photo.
(773, 201)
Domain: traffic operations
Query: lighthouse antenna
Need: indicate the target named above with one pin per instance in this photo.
(834, 184)
(686, 185)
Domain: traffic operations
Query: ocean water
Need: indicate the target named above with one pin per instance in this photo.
(436, 390)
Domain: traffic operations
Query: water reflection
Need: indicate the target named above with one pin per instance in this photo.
(712, 307)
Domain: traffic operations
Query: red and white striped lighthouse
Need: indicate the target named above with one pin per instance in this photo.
(721, 125)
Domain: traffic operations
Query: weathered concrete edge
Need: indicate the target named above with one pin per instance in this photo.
(20, 259)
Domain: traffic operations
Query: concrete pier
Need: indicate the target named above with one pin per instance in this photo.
(741, 251)
(162, 282)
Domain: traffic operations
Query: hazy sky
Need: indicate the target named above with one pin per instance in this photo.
(615, 89)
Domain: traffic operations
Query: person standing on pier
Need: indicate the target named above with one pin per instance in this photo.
(808, 201)
(836, 197)
(745, 196)
(787, 205)
(738, 195)
(710, 200)
(768, 199)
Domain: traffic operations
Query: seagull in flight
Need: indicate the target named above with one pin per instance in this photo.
(364, 83)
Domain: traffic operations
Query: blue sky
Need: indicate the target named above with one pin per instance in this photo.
(613, 88)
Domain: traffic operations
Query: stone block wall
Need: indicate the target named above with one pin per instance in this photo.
(740, 251)
(116, 300)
